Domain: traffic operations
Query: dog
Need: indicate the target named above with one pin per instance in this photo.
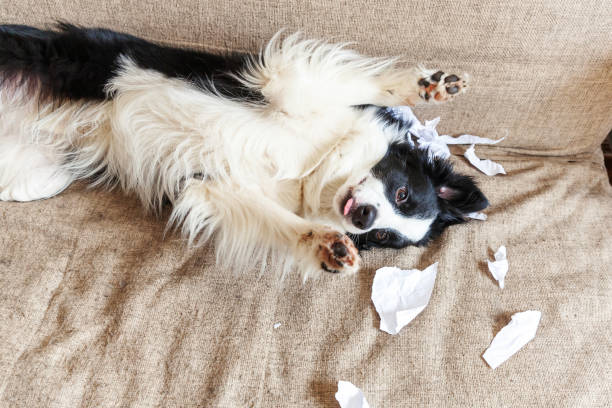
(290, 152)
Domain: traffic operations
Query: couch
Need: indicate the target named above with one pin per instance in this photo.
(98, 309)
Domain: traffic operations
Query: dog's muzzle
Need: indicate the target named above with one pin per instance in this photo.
(363, 217)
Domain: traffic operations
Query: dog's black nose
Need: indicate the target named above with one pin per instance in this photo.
(364, 216)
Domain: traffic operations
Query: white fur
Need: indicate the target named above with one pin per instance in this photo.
(33, 173)
(370, 190)
(28, 170)
(271, 172)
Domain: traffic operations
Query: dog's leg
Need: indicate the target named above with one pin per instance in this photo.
(304, 77)
(30, 172)
(246, 221)
(419, 85)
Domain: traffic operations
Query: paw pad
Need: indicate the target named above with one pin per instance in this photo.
(440, 87)
(337, 253)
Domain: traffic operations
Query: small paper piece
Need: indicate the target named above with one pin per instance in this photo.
(488, 167)
(477, 216)
(400, 295)
(520, 331)
(499, 268)
(427, 135)
(277, 325)
(468, 139)
(349, 396)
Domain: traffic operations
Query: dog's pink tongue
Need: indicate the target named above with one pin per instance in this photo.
(348, 205)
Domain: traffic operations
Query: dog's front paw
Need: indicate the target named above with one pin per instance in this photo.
(440, 87)
(334, 252)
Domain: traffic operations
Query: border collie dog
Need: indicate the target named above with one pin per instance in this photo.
(289, 153)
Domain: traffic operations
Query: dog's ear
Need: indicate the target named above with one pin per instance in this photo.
(457, 194)
(461, 194)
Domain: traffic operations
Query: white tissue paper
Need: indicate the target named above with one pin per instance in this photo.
(520, 331)
(499, 268)
(488, 167)
(427, 135)
(477, 216)
(400, 295)
(349, 396)
(468, 139)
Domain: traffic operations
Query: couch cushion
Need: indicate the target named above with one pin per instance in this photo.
(97, 310)
(541, 72)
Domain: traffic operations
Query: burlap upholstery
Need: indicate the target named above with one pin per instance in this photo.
(97, 310)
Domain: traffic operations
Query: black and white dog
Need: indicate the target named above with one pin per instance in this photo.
(285, 151)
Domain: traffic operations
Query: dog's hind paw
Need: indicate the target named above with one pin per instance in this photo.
(35, 184)
(440, 87)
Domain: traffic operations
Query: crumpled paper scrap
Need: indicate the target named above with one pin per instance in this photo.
(520, 331)
(499, 268)
(349, 396)
(427, 135)
(477, 216)
(400, 295)
(488, 167)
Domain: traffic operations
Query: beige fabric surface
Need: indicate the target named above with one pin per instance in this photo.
(541, 69)
(97, 310)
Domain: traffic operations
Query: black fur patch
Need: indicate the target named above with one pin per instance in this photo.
(77, 63)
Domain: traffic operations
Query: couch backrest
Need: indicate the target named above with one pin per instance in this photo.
(541, 72)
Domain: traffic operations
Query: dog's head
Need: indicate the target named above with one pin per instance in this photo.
(407, 198)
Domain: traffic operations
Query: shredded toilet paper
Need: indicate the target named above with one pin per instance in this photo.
(477, 216)
(499, 268)
(400, 295)
(488, 167)
(427, 135)
(349, 396)
(520, 331)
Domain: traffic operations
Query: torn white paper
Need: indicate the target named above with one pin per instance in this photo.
(427, 135)
(468, 139)
(499, 268)
(349, 396)
(277, 325)
(400, 295)
(477, 216)
(488, 167)
(520, 331)
(427, 138)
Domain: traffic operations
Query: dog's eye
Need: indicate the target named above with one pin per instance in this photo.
(382, 235)
(401, 195)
